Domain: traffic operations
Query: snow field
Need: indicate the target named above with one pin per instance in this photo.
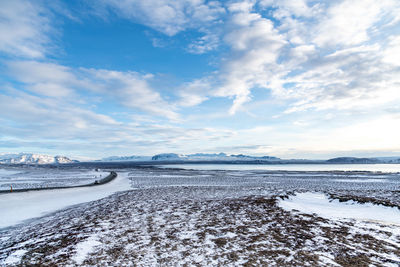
(321, 205)
(211, 218)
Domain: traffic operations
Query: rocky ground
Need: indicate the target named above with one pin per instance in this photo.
(211, 218)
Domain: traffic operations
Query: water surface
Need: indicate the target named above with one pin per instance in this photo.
(291, 167)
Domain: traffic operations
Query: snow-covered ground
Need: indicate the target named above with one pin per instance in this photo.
(216, 218)
(7, 172)
(321, 205)
(20, 206)
(33, 177)
(84, 248)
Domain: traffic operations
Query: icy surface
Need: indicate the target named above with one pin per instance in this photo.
(291, 167)
(17, 207)
(321, 205)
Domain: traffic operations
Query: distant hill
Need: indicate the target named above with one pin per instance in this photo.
(190, 157)
(126, 158)
(241, 158)
(28, 158)
(354, 160)
(210, 157)
(389, 159)
(166, 156)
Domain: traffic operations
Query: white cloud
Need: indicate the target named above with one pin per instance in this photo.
(295, 18)
(326, 56)
(391, 54)
(167, 16)
(245, 6)
(59, 125)
(295, 58)
(24, 29)
(346, 23)
(353, 78)
(47, 79)
(128, 88)
(351, 22)
(33, 116)
(208, 42)
(287, 8)
(132, 90)
(300, 67)
(194, 93)
(255, 47)
(34, 71)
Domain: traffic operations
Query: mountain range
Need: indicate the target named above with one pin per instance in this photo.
(222, 157)
(191, 157)
(29, 158)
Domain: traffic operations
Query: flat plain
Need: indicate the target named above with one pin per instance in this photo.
(177, 217)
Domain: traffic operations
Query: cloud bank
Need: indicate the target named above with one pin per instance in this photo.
(284, 78)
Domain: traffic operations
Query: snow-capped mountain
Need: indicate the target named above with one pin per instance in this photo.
(245, 157)
(127, 158)
(210, 157)
(167, 156)
(28, 158)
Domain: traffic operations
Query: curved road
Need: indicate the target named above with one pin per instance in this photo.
(16, 208)
(104, 180)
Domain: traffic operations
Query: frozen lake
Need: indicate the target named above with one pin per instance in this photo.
(291, 167)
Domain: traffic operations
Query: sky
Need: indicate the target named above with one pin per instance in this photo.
(293, 79)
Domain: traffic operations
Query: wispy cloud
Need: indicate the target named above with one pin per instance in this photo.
(24, 29)
(274, 64)
(208, 42)
(167, 16)
(130, 89)
(60, 125)
(255, 45)
(321, 55)
(353, 22)
(46, 79)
